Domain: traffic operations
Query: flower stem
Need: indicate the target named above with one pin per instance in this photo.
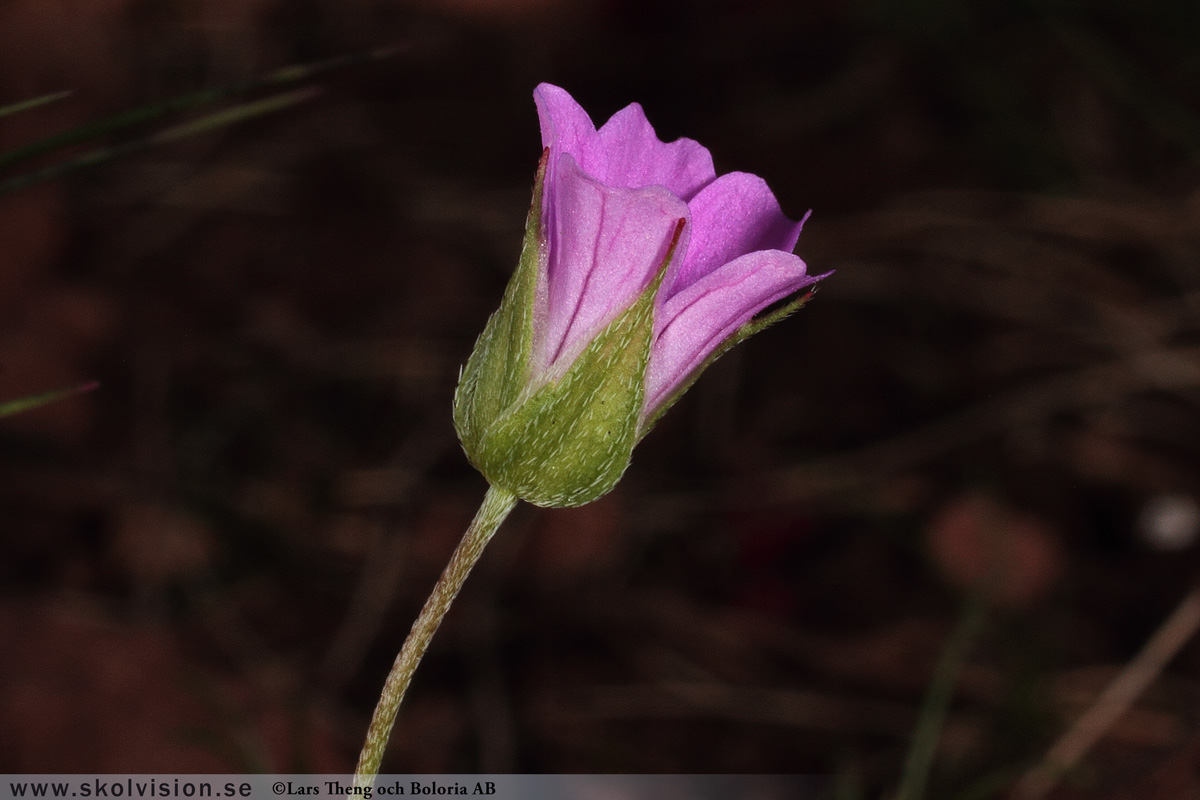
(495, 507)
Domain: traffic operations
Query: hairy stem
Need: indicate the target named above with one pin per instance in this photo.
(496, 506)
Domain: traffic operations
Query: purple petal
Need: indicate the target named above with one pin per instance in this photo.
(604, 247)
(565, 125)
(634, 156)
(625, 153)
(734, 215)
(697, 319)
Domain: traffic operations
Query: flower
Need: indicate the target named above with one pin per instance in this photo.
(640, 267)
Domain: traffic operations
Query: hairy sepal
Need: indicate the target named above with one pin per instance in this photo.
(569, 441)
(497, 371)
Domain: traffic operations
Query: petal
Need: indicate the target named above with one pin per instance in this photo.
(565, 125)
(625, 153)
(734, 215)
(696, 320)
(605, 246)
(634, 156)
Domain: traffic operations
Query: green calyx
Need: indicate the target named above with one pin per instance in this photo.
(496, 372)
(569, 441)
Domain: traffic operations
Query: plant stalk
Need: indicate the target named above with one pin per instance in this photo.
(496, 505)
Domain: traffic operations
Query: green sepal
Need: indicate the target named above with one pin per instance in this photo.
(569, 441)
(495, 373)
(742, 334)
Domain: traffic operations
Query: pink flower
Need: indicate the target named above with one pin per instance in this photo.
(612, 200)
(640, 266)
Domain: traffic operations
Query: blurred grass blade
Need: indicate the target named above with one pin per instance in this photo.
(941, 689)
(26, 403)
(185, 102)
(228, 116)
(25, 105)
(232, 116)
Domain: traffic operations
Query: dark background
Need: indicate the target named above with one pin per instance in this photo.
(208, 563)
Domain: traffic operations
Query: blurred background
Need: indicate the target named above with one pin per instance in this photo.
(209, 562)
